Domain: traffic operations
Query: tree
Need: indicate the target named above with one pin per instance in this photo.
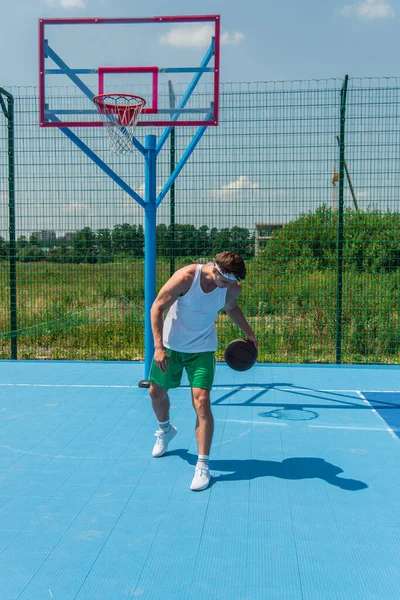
(163, 240)
(84, 248)
(3, 248)
(213, 237)
(242, 241)
(203, 241)
(33, 241)
(128, 239)
(104, 245)
(22, 242)
(185, 240)
(223, 240)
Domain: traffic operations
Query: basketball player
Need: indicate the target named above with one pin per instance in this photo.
(187, 339)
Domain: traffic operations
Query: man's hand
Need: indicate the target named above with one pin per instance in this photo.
(161, 359)
(252, 339)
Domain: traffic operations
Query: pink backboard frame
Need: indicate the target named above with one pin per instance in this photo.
(43, 23)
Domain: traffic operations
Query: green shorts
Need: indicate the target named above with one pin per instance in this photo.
(199, 366)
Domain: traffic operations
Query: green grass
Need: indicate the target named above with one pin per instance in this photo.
(90, 312)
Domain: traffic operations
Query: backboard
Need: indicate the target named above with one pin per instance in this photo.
(171, 61)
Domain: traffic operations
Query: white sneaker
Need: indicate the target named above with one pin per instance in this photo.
(202, 477)
(163, 439)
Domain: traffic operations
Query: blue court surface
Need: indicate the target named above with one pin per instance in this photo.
(304, 503)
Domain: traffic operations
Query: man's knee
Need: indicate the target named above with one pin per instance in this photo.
(157, 393)
(201, 402)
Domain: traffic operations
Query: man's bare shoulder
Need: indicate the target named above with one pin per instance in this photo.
(186, 273)
(231, 295)
(235, 290)
(180, 281)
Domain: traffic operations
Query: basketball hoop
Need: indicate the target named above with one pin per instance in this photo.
(120, 113)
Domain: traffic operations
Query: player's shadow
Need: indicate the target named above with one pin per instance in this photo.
(289, 468)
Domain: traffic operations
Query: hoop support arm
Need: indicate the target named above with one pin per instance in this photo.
(97, 160)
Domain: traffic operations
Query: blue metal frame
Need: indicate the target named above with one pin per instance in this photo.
(48, 52)
(150, 152)
(100, 163)
(182, 162)
(185, 98)
(150, 261)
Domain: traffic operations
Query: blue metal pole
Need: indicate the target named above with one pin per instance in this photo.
(150, 212)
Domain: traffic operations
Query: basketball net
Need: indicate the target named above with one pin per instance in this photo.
(120, 114)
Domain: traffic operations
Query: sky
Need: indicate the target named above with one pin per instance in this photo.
(262, 40)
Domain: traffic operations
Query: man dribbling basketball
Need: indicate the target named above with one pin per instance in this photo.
(187, 340)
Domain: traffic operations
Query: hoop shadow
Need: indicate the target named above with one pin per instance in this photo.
(289, 468)
(262, 389)
(290, 414)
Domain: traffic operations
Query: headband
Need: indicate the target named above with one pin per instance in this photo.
(227, 275)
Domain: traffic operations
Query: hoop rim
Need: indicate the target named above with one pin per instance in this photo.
(99, 101)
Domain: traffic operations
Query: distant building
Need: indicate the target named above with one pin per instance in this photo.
(264, 233)
(67, 238)
(45, 237)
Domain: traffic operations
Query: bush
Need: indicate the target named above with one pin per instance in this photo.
(371, 242)
(31, 254)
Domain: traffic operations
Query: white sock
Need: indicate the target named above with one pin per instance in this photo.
(203, 458)
(164, 426)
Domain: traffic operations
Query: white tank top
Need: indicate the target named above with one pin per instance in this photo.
(189, 324)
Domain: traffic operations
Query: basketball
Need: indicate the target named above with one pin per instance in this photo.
(240, 355)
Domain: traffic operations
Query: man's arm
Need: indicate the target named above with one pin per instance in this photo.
(236, 315)
(176, 286)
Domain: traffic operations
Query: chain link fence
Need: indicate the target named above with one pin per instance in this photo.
(276, 181)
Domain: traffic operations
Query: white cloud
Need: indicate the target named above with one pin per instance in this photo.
(242, 183)
(232, 39)
(369, 9)
(65, 3)
(189, 36)
(195, 36)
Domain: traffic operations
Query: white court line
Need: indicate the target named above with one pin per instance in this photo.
(64, 456)
(377, 392)
(244, 422)
(215, 389)
(234, 439)
(67, 385)
(349, 427)
(389, 429)
(279, 424)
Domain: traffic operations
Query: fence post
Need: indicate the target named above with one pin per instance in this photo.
(339, 304)
(172, 165)
(12, 255)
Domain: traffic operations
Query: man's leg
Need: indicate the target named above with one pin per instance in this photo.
(204, 421)
(166, 431)
(160, 382)
(204, 434)
(160, 402)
